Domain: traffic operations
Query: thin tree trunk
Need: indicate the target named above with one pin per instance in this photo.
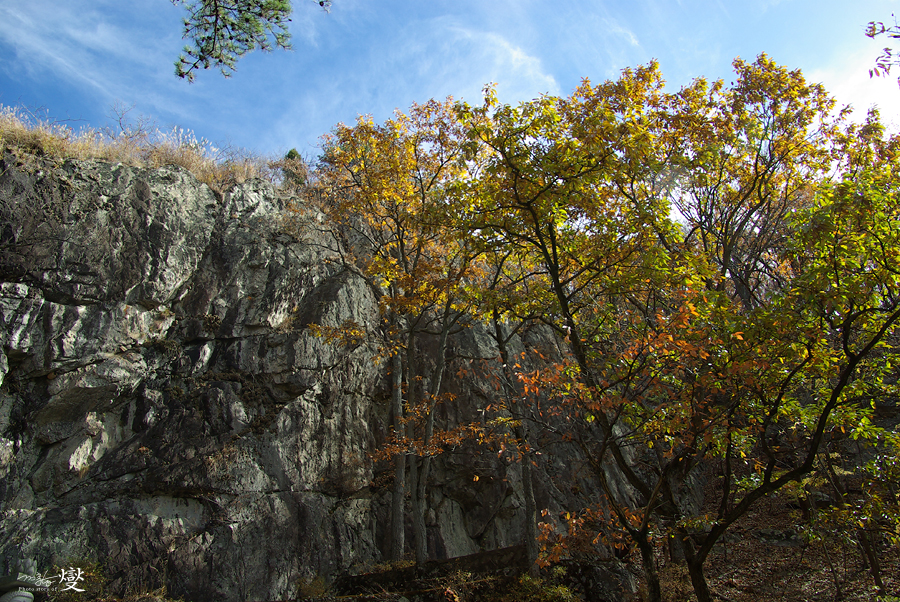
(531, 544)
(654, 592)
(695, 567)
(416, 510)
(416, 478)
(870, 557)
(397, 526)
(868, 550)
(421, 486)
(838, 593)
(521, 434)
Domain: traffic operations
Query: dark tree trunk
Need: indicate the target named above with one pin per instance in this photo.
(521, 434)
(695, 567)
(654, 592)
(416, 478)
(397, 526)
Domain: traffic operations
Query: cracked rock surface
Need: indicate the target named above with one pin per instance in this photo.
(165, 410)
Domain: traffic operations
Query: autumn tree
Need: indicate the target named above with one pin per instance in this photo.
(752, 155)
(497, 292)
(392, 204)
(752, 332)
(753, 166)
(552, 191)
(696, 345)
(824, 344)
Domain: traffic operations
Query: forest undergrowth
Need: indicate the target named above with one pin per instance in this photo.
(769, 557)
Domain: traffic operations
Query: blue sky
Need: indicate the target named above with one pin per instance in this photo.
(75, 59)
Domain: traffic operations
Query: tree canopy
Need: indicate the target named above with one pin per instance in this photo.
(718, 264)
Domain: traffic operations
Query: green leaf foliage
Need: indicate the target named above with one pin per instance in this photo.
(721, 265)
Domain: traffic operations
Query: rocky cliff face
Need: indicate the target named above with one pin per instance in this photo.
(166, 411)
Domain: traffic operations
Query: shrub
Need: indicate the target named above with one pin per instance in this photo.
(535, 589)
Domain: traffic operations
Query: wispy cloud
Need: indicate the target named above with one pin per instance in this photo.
(45, 45)
(438, 57)
(614, 28)
(106, 52)
(490, 57)
(75, 43)
(371, 58)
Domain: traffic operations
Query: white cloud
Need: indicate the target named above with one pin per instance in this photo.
(435, 58)
(103, 52)
(428, 58)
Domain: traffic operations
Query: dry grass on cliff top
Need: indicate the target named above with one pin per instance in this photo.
(137, 144)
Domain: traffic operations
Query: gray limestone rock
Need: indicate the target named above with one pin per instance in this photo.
(165, 408)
